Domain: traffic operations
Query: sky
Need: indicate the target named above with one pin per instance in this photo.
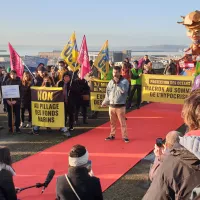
(123, 23)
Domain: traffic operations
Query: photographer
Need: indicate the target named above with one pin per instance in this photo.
(179, 173)
(78, 183)
(163, 149)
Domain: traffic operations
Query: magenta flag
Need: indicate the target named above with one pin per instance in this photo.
(83, 59)
(15, 61)
(140, 62)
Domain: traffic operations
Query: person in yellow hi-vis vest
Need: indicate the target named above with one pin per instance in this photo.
(109, 75)
(136, 81)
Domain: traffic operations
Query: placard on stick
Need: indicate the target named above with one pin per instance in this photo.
(10, 91)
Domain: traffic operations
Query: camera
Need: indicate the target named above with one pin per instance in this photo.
(159, 142)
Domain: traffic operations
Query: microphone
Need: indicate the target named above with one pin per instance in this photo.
(48, 178)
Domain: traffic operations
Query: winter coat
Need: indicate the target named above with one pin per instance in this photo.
(25, 96)
(87, 187)
(7, 188)
(179, 173)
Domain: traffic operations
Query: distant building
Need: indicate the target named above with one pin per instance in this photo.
(115, 56)
(4, 60)
(53, 54)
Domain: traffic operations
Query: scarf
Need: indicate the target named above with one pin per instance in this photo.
(8, 168)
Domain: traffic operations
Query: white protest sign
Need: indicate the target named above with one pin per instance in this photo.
(10, 91)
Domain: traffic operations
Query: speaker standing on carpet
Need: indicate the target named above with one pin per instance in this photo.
(116, 95)
(79, 183)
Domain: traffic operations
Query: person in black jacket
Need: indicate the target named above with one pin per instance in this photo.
(37, 81)
(15, 103)
(7, 188)
(84, 100)
(71, 92)
(5, 78)
(26, 99)
(79, 175)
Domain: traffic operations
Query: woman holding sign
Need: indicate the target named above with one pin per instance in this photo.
(13, 105)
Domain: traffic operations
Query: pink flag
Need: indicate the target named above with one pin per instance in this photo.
(83, 58)
(140, 62)
(15, 61)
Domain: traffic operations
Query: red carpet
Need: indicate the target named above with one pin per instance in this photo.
(110, 159)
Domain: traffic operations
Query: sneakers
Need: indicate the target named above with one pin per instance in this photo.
(22, 125)
(110, 138)
(28, 125)
(126, 140)
(65, 132)
(71, 128)
(35, 132)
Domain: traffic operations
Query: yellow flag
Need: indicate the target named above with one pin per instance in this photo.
(70, 53)
(102, 60)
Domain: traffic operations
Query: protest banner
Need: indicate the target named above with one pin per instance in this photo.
(97, 94)
(33, 61)
(47, 107)
(166, 89)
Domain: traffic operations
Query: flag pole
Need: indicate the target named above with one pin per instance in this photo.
(72, 78)
(12, 116)
(28, 69)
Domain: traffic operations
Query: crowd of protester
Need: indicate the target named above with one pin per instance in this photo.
(46, 76)
(61, 76)
(175, 173)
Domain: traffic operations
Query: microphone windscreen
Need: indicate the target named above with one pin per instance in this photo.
(49, 177)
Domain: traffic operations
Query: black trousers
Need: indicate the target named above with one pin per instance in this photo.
(16, 114)
(69, 112)
(29, 113)
(84, 112)
(139, 94)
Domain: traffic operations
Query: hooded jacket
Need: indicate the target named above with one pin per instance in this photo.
(116, 93)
